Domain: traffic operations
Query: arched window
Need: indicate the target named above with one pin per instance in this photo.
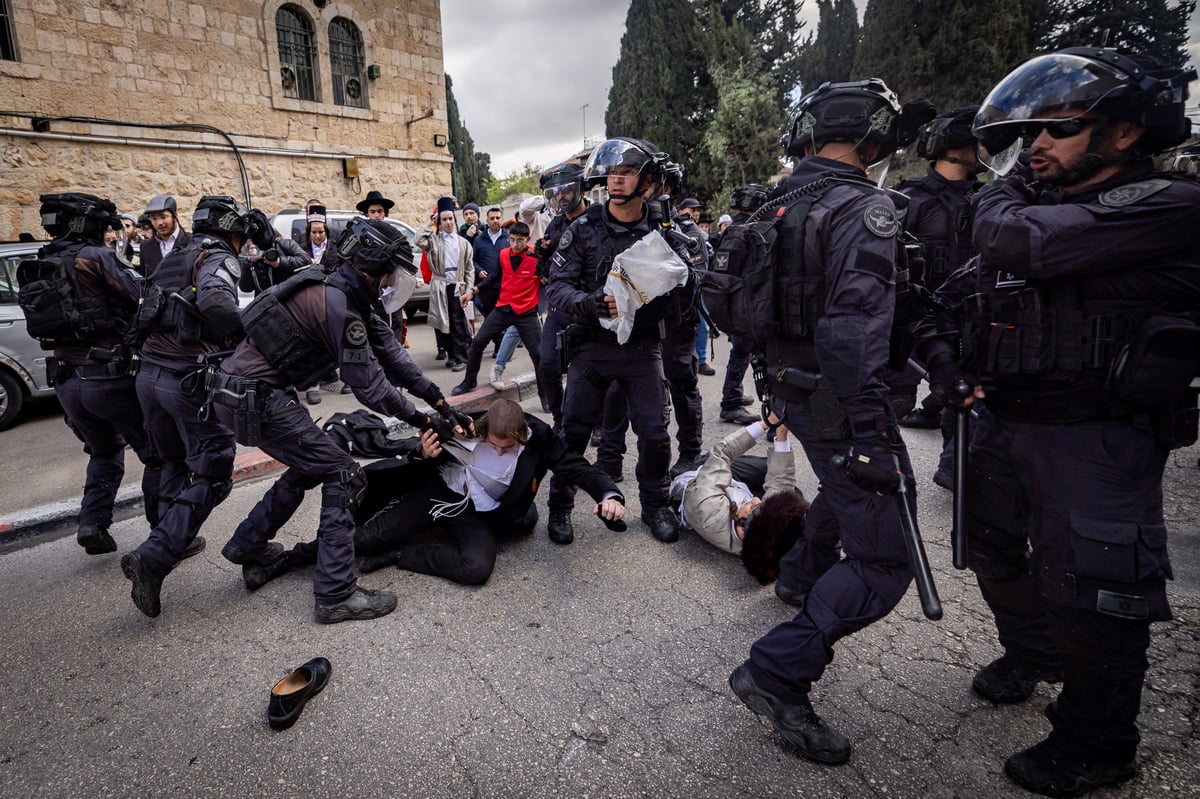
(297, 53)
(346, 63)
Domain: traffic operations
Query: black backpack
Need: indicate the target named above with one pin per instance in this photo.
(55, 309)
(745, 291)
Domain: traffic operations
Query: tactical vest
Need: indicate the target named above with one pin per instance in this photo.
(55, 307)
(299, 355)
(949, 246)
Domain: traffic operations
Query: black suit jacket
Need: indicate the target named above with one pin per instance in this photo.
(545, 451)
(151, 251)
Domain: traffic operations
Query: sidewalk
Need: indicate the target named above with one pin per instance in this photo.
(251, 463)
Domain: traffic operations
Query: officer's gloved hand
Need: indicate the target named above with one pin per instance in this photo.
(596, 305)
(946, 380)
(440, 427)
(456, 418)
(870, 466)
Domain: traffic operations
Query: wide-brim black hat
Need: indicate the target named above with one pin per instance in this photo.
(446, 204)
(374, 198)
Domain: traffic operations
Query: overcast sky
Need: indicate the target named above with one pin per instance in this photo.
(523, 68)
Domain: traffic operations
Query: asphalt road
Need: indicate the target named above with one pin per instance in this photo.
(597, 669)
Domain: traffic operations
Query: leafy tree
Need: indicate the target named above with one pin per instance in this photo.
(522, 181)
(829, 56)
(914, 45)
(1149, 27)
(741, 144)
(470, 174)
(654, 79)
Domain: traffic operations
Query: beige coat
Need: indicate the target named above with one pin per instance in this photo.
(431, 244)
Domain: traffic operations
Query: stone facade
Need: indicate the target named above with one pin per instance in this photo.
(216, 64)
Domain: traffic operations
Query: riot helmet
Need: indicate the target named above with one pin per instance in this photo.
(1079, 84)
(78, 216)
(562, 188)
(223, 216)
(948, 131)
(617, 155)
(858, 112)
(749, 198)
(673, 178)
(375, 247)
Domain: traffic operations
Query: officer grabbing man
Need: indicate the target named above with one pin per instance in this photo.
(78, 298)
(578, 269)
(827, 365)
(297, 333)
(1081, 332)
(188, 312)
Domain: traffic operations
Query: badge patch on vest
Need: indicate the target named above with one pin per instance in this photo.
(356, 333)
(1132, 192)
(880, 219)
(567, 238)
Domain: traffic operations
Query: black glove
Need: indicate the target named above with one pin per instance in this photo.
(870, 465)
(946, 381)
(456, 418)
(596, 305)
(439, 426)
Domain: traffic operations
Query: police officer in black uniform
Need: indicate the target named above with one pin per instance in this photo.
(189, 311)
(744, 201)
(1075, 316)
(828, 389)
(296, 334)
(939, 215)
(93, 297)
(563, 189)
(578, 270)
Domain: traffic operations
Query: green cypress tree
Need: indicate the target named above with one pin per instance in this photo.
(470, 174)
(829, 56)
(1148, 27)
(654, 80)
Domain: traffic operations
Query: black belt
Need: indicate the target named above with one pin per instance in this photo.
(1055, 405)
(110, 369)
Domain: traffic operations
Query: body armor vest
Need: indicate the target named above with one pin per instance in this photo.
(299, 355)
(947, 244)
(56, 309)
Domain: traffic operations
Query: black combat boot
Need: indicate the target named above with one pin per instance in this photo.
(797, 723)
(1008, 679)
(559, 527)
(1051, 770)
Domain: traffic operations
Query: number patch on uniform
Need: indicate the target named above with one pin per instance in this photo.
(356, 333)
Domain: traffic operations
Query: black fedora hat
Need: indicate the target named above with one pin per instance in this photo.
(374, 198)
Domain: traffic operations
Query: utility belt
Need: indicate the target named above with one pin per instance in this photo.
(573, 336)
(59, 371)
(246, 397)
(829, 421)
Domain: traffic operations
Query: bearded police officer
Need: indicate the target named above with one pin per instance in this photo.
(828, 389)
(578, 269)
(1078, 331)
(92, 297)
(189, 311)
(296, 334)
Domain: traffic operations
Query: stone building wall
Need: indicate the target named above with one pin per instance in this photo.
(215, 64)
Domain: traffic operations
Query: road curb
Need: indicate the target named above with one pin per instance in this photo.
(250, 464)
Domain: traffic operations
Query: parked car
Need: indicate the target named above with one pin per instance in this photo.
(290, 223)
(22, 359)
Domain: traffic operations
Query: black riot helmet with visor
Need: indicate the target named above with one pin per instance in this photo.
(223, 216)
(1064, 92)
(562, 188)
(621, 154)
(863, 113)
(78, 216)
(375, 248)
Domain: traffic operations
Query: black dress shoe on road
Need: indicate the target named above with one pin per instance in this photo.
(255, 575)
(95, 540)
(462, 388)
(738, 417)
(146, 585)
(441, 355)
(1051, 770)
(458, 366)
(920, 419)
(705, 369)
(195, 547)
(663, 524)
(363, 604)
(790, 595)
(559, 527)
(797, 723)
(267, 553)
(291, 694)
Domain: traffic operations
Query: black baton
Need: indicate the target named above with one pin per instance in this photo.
(958, 535)
(926, 590)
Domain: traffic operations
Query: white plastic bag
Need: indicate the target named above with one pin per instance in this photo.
(648, 269)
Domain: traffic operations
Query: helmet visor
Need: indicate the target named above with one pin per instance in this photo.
(1044, 89)
(560, 196)
(615, 157)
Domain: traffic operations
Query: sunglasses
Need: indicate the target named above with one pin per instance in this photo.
(1058, 129)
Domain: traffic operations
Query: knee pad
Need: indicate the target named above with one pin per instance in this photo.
(345, 489)
(221, 491)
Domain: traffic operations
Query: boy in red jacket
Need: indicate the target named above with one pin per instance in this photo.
(517, 306)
